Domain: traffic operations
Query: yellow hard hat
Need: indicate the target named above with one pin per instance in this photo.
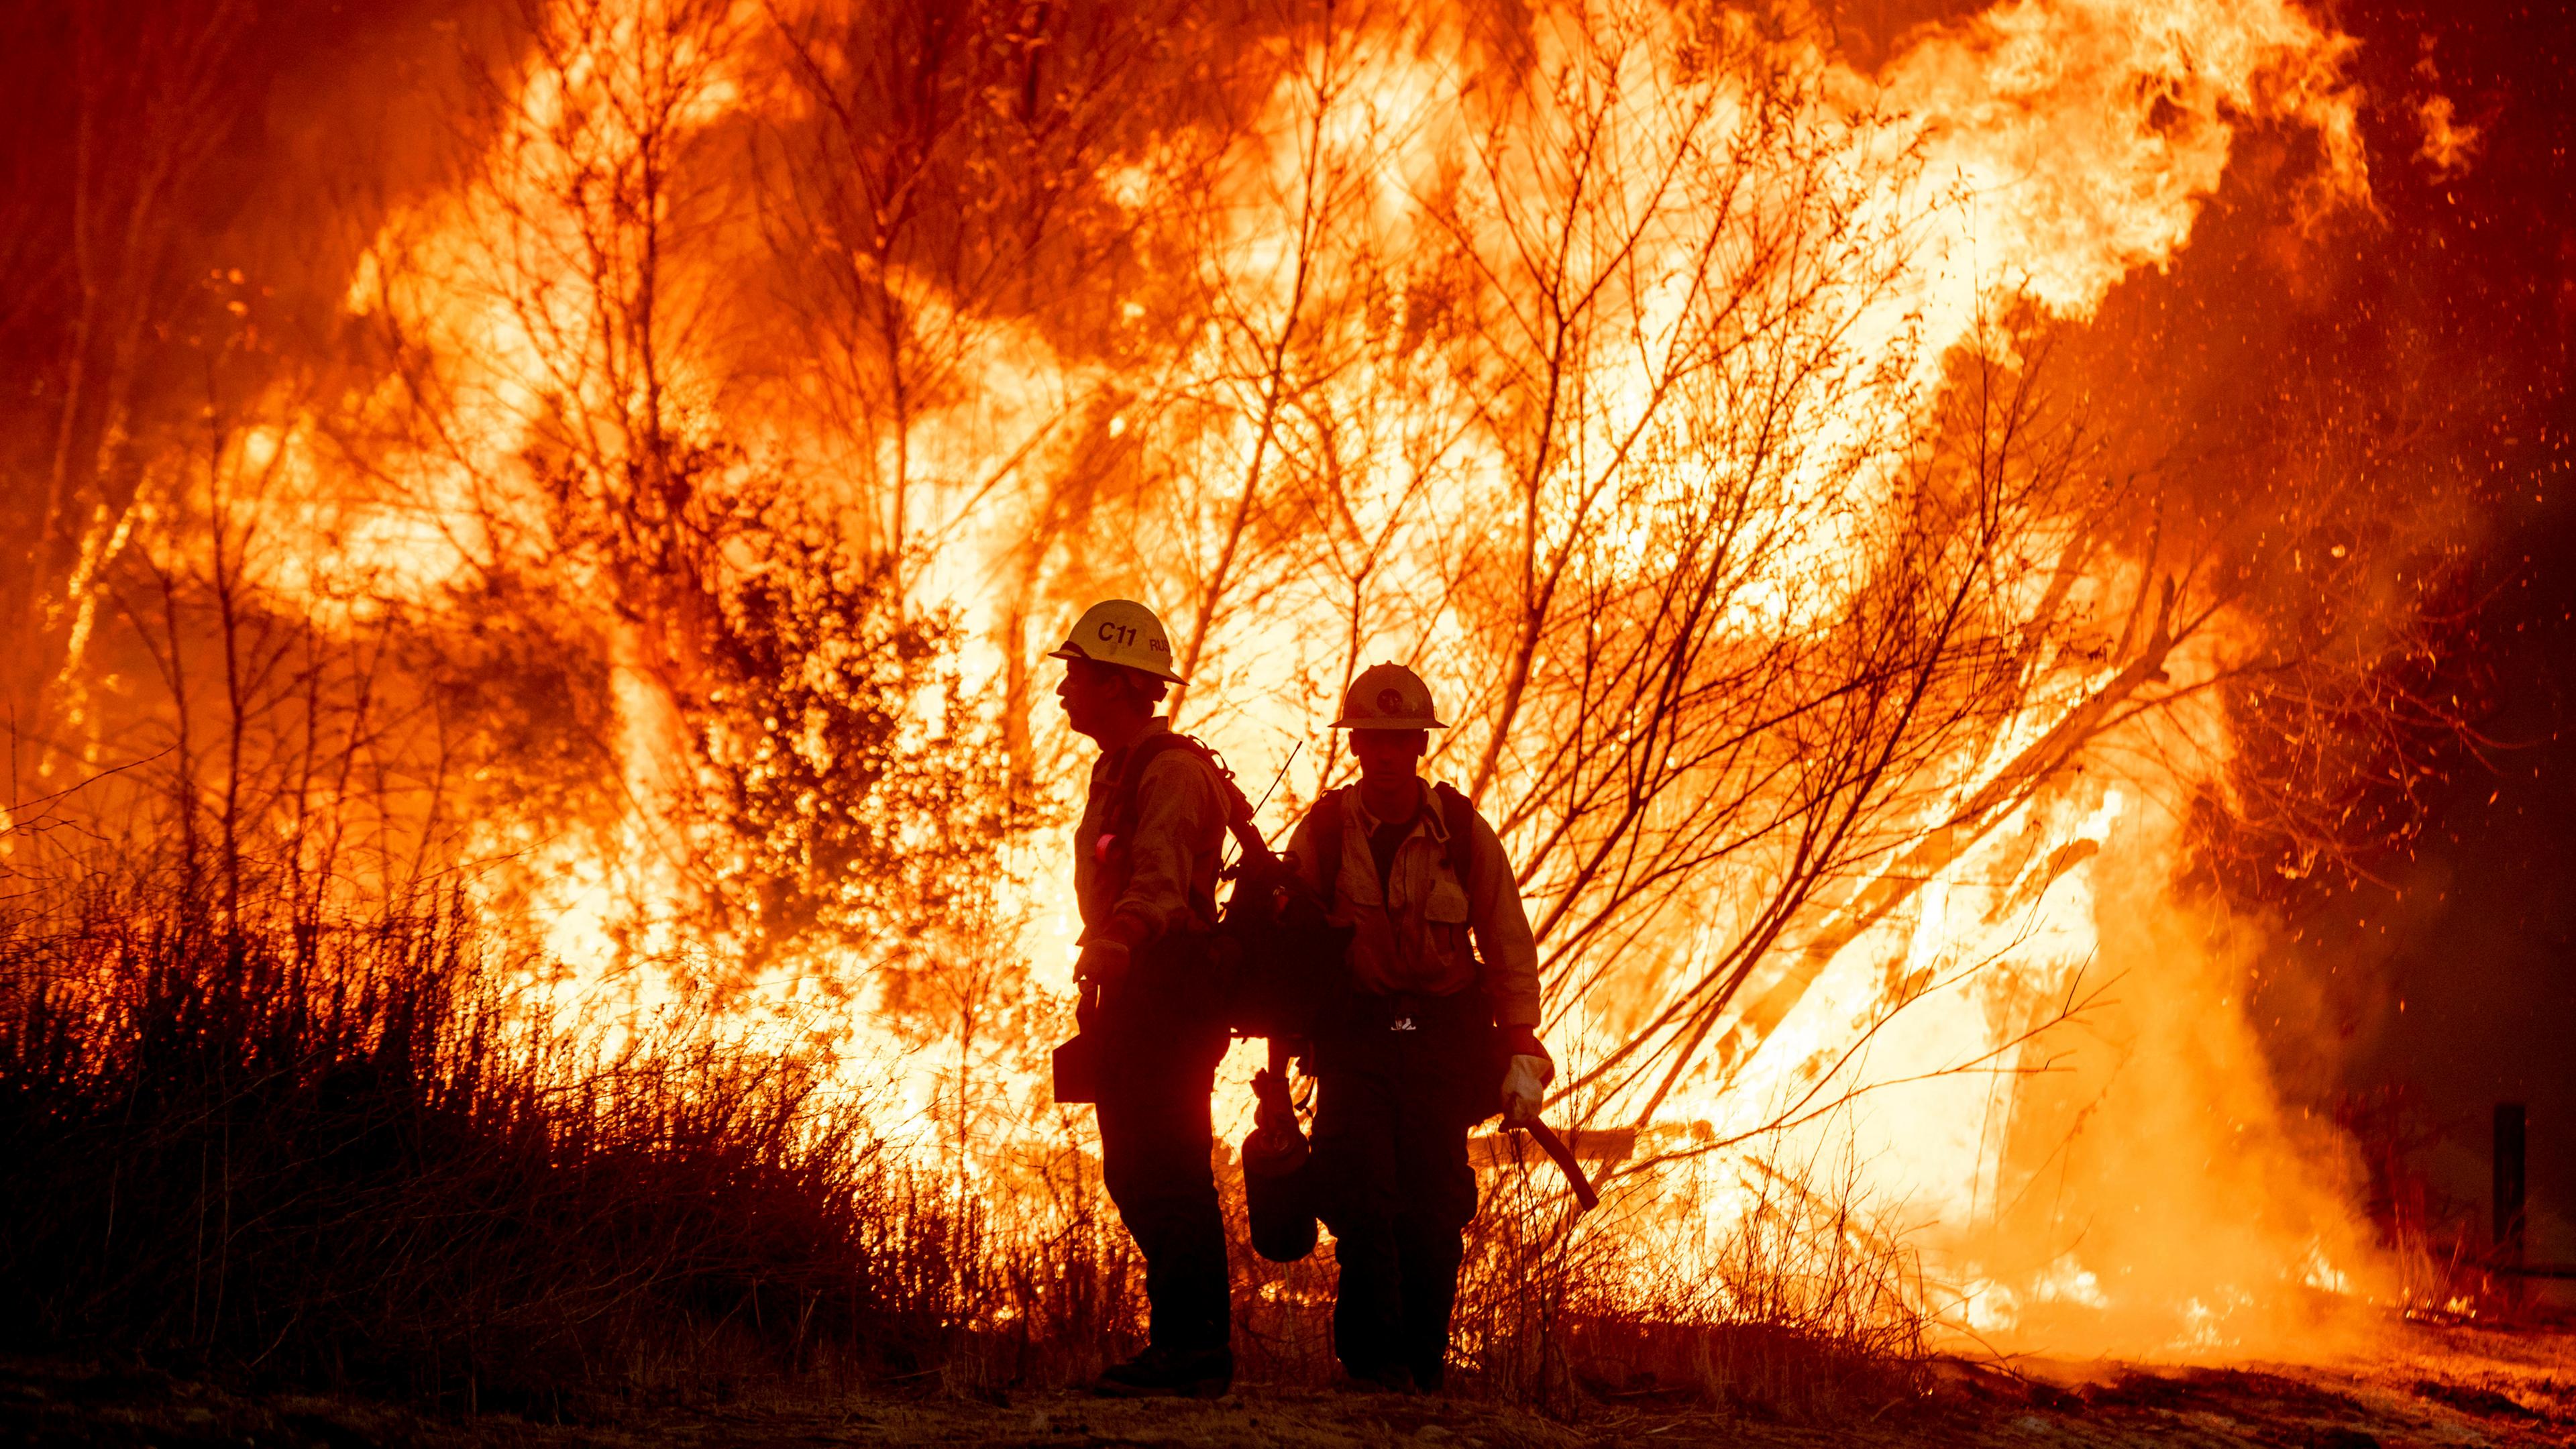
(1124, 632)
(1388, 697)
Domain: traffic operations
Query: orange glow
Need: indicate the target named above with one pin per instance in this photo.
(1305, 430)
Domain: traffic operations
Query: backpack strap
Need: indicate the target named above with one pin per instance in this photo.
(1125, 805)
(1326, 817)
(1458, 817)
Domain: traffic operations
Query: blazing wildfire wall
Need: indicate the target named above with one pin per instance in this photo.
(622, 461)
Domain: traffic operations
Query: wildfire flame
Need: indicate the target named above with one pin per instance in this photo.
(1445, 310)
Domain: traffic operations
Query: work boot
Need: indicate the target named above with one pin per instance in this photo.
(1204, 1373)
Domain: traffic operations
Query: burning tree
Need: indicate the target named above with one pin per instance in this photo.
(1623, 375)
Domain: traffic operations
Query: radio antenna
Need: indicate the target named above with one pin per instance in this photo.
(1282, 775)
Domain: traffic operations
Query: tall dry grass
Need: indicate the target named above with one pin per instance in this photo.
(346, 1151)
(350, 1151)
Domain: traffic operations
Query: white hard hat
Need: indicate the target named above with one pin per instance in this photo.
(1124, 632)
(1388, 697)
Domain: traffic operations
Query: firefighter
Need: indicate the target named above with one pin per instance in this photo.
(1439, 1029)
(1147, 894)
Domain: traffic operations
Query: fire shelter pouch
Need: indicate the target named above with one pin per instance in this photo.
(1077, 1070)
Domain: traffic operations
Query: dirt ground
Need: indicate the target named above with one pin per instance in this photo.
(2422, 1385)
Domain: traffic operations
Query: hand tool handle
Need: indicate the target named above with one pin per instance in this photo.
(1586, 1199)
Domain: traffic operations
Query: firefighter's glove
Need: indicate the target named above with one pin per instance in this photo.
(1103, 964)
(1524, 1087)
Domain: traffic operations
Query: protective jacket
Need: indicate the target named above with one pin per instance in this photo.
(1414, 934)
(1171, 854)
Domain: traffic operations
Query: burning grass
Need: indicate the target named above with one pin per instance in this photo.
(353, 1151)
